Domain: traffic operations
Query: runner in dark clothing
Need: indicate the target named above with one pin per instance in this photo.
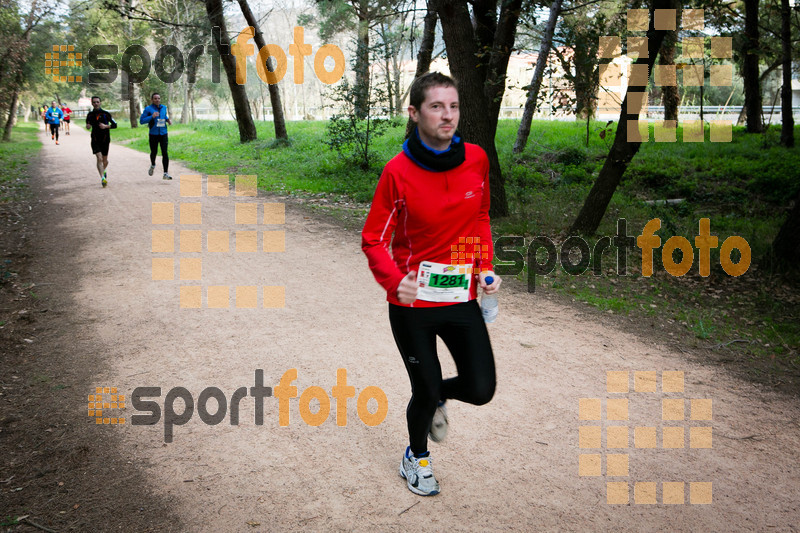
(100, 123)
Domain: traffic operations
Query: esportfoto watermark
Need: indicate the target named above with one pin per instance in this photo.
(145, 400)
(170, 62)
(615, 449)
(510, 261)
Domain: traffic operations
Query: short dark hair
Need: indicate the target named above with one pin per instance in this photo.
(428, 81)
(93, 97)
(155, 93)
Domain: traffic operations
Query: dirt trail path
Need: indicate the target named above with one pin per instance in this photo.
(512, 464)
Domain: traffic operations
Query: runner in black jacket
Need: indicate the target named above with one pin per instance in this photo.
(99, 121)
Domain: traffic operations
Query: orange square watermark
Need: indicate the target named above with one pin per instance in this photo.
(693, 75)
(589, 436)
(163, 241)
(617, 437)
(692, 48)
(191, 213)
(609, 46)
(589, 409)
(701, 409)
(672, 492)
(693, 20)
(665, 19)
(246, 185)
(665, 76)
(636, 102)
(665, 131)
(672, 409)
(274, 213)
(274, 241)
(191, 297)
(672, 381)
(692, 132)
(721, 75)
(247, 297)
(163, 213)
(638, 19)
(246, 241)
(274, 297)
(722, 47)
(191, 185)
(721, 131)
(638, 131)
(246, 213)
(217, 185)
(638, 47)
(617, 381)
(218, 297)
(191, 241)
(617, 492)
(700, 493)
(610, 75)
(639, 75)
(700, 437)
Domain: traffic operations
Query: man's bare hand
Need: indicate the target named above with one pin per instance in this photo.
(407, 290)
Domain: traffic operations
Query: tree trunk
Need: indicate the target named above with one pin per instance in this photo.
(669, 93)
(752, 82)
(786, 246)
(425, 52)
(12, 109)
(361, 106)
(185, 108)
(622, 151)
(467, 65)
(787, 120)
(502, 46)
(586, 79)
(536, 82)
(247, 129)
(274, 92)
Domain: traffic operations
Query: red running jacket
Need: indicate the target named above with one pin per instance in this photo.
(429, 214)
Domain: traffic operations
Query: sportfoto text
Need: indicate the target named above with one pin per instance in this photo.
(106, 68)
(142, 402)
(510, 261)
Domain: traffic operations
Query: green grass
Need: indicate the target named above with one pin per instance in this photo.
(15, 158)
(742, 186)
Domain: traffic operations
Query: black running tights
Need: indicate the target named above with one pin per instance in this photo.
(463, 331)
(155, 141)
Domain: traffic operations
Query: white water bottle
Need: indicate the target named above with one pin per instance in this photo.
(489, 304)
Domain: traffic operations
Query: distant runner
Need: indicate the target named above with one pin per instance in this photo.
(54, 116)
(155, 115)
(67, 112)
(99, 121)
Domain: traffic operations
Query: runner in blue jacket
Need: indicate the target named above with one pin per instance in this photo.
(53, 117)
(155, 116)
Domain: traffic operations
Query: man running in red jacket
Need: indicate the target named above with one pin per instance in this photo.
(432, 206)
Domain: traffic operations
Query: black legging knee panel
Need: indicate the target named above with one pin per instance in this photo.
(463, 331)
(155, 142)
